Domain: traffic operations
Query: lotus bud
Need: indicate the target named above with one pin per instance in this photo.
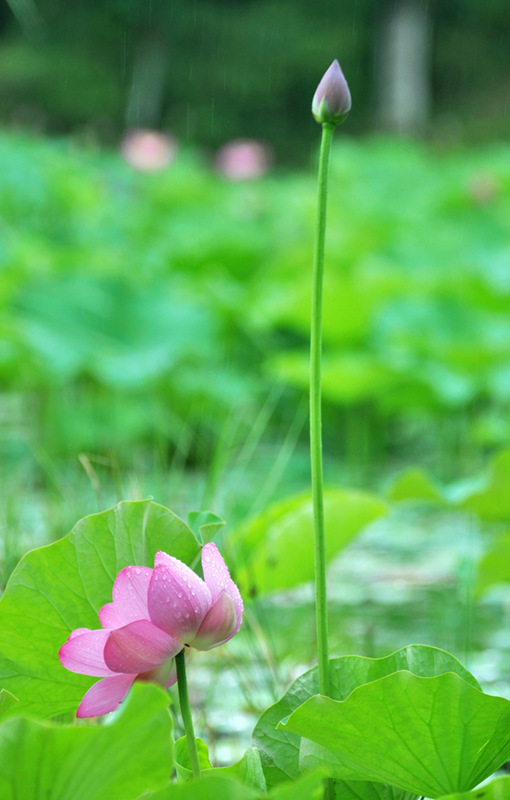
(332, 99)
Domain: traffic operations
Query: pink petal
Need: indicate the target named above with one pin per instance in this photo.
(78, 632)
(172, 677)
(109, 617)
(129, 596)
(84, 653)
(219, 624)
(164, 559)
(166, 675)
(217, 578)
(139, 647)
(178, 599)
(105, 696)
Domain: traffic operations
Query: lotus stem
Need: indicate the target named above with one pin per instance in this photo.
(321, 610)
(187, 720)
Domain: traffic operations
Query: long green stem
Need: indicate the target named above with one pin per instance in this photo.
(321, 610)
(182, 684)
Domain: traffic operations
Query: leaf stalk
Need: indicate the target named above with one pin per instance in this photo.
(187, 720)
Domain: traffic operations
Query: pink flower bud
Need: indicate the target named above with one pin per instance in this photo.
(332, 99)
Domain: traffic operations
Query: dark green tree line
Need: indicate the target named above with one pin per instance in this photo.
(211, 70)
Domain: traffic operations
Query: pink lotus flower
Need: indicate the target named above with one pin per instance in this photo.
(243, 159)
(154, 614)
(148, 151)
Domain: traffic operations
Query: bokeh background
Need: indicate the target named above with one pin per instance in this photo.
(157, 207)
(215, 70)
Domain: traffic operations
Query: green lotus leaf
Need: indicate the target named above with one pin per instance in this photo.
(7, 702)
(213, 785)
(205, 525)
(432, 736)
(495, 790)
(247, 770)
(280, 748)
(118, 761)
(494, 566)
(367, 790)
(183, 761)
(414, 485)
(275, 549)
(492, 503)
(205, 788)
(58, 588)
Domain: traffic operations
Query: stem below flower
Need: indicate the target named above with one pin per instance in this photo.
(182, 684)
(321, 610)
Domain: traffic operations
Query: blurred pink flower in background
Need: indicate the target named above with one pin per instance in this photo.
(155, 613)
(148, 151)
(242, 159)
(483, 188)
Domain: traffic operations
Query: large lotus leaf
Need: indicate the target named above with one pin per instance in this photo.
(494, 566)
(123, 335)
(313, 756)
(451, 386)
(276, 547)
(431, 736)
(414, 485)
(183, 761)
(213, 785)
(347, 378)
(205, 788)
(116, 761)
(7, 701)
(347, 302)
(367, 790)
(280, 748)
(495, 790)
(248, 770)
(62, 586)
(493, 502)
(205, 525)
(309, 787)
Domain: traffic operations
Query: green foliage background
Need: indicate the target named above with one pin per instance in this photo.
(141, 309)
